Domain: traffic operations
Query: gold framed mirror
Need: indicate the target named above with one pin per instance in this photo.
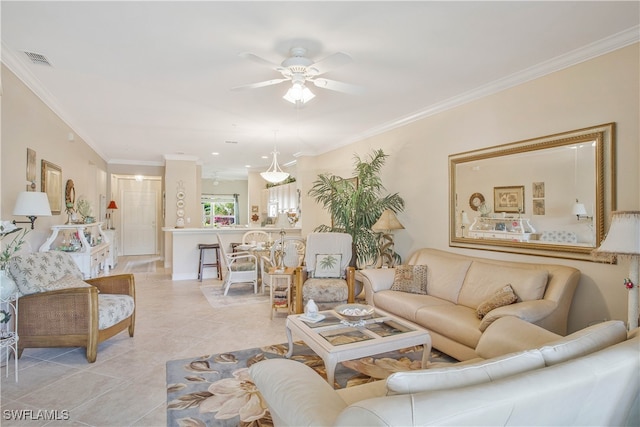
(549, 196)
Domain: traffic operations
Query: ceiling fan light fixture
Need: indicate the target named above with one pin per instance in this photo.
(299, 93)
(274, 174)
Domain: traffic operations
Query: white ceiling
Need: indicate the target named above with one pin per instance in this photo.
(142, 80)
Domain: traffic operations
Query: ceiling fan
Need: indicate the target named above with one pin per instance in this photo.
(300, 70)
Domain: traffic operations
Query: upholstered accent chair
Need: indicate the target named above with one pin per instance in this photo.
(242, 267)
(326, 276)
(60, 309)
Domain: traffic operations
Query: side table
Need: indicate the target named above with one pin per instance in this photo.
(280, 289)
(9, 339)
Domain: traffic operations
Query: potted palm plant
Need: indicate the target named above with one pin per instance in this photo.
(356, 203)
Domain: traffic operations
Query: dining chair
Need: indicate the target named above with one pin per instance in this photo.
(293, 256)
(242, 267)
(255, 236)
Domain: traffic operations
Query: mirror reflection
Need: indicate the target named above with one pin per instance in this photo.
(546, 195)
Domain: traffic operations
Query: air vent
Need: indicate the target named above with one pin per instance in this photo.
(37, 58)
(231, 142)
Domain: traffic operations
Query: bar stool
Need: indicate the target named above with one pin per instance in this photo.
(203, 247)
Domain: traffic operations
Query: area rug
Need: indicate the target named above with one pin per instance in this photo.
(239, 294)
(216, 390)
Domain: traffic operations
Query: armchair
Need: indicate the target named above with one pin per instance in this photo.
(326, 289)
(59, 309)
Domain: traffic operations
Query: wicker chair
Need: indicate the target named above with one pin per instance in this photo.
(59, 309)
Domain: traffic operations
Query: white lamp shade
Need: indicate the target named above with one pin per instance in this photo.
(579, 209)
(32, 203)
(465, 218)
(623, 237)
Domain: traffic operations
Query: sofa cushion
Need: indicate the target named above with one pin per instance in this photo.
(584, 341)
(328, 265)
(445, 274)
(410, 278)
(485, 279)
(456, 322)
(465, 374)
(33, 272)
(504, 296)
(404, 304)
(113, 308)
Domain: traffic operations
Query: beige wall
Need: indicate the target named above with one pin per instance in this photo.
(602, 90)
(28, 123)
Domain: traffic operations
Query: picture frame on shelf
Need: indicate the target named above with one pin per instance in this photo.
(508, 199)
(51, 184)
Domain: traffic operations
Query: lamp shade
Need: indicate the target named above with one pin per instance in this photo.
(32, 203)
(112, 205)
(274, 174)
(387, 221)
(623, 237)
(579, 209)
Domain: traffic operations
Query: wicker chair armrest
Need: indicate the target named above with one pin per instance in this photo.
(60, 312)
(122, 284)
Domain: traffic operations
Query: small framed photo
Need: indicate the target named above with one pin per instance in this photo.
(254, 209)
(508, 199)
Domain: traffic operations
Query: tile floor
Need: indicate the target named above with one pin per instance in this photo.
(126, 384)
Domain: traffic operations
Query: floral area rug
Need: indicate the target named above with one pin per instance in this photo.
(216, 390)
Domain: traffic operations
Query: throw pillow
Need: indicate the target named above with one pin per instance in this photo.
(328, 265)
(504, 296)
(410, 278)
(67, 281)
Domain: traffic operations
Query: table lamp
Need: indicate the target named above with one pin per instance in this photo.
(111, 207)
(385, 224)
(623, 241)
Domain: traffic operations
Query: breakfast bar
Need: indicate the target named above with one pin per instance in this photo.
(182, 253)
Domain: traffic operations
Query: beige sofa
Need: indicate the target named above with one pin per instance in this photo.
(458, 284)
(587, 378)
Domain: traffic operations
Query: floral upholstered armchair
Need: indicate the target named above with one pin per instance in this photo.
(326, 276)
(59, 309)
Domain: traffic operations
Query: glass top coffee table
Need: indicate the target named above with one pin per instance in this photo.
(335, 339)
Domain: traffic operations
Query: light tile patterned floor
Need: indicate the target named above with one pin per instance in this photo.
(126, 384)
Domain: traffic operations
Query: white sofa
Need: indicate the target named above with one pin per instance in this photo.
(587, 378)
(458, 284)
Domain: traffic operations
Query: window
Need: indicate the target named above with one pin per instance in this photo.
(219, 209)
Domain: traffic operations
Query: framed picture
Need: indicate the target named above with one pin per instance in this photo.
(538, 190)
(254, 209)
(508, 199)
(538, 207)
(31, 169)
(51, 179)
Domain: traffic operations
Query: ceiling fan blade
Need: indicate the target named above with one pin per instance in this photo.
(332, 61)
(338, 86)
(259, 84)
(261, 61)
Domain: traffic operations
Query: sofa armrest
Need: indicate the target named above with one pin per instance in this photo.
(529, 311)
(69, 311)
(377, 279)
(510, 334)
(122, 284)
(295, 394)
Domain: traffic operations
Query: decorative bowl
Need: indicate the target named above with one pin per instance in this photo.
(354, 312)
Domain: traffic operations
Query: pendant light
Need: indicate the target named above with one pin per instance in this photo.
(274, 174)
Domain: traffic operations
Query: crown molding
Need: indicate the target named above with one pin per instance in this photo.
(11, 61)
(577, 56)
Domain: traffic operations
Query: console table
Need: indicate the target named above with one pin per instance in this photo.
(86, 243)
(505, 228)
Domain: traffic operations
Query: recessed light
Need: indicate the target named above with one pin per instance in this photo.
(265, 157)
(247, 166)
(215, 154)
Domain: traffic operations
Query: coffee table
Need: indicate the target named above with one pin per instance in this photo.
(335, 339)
